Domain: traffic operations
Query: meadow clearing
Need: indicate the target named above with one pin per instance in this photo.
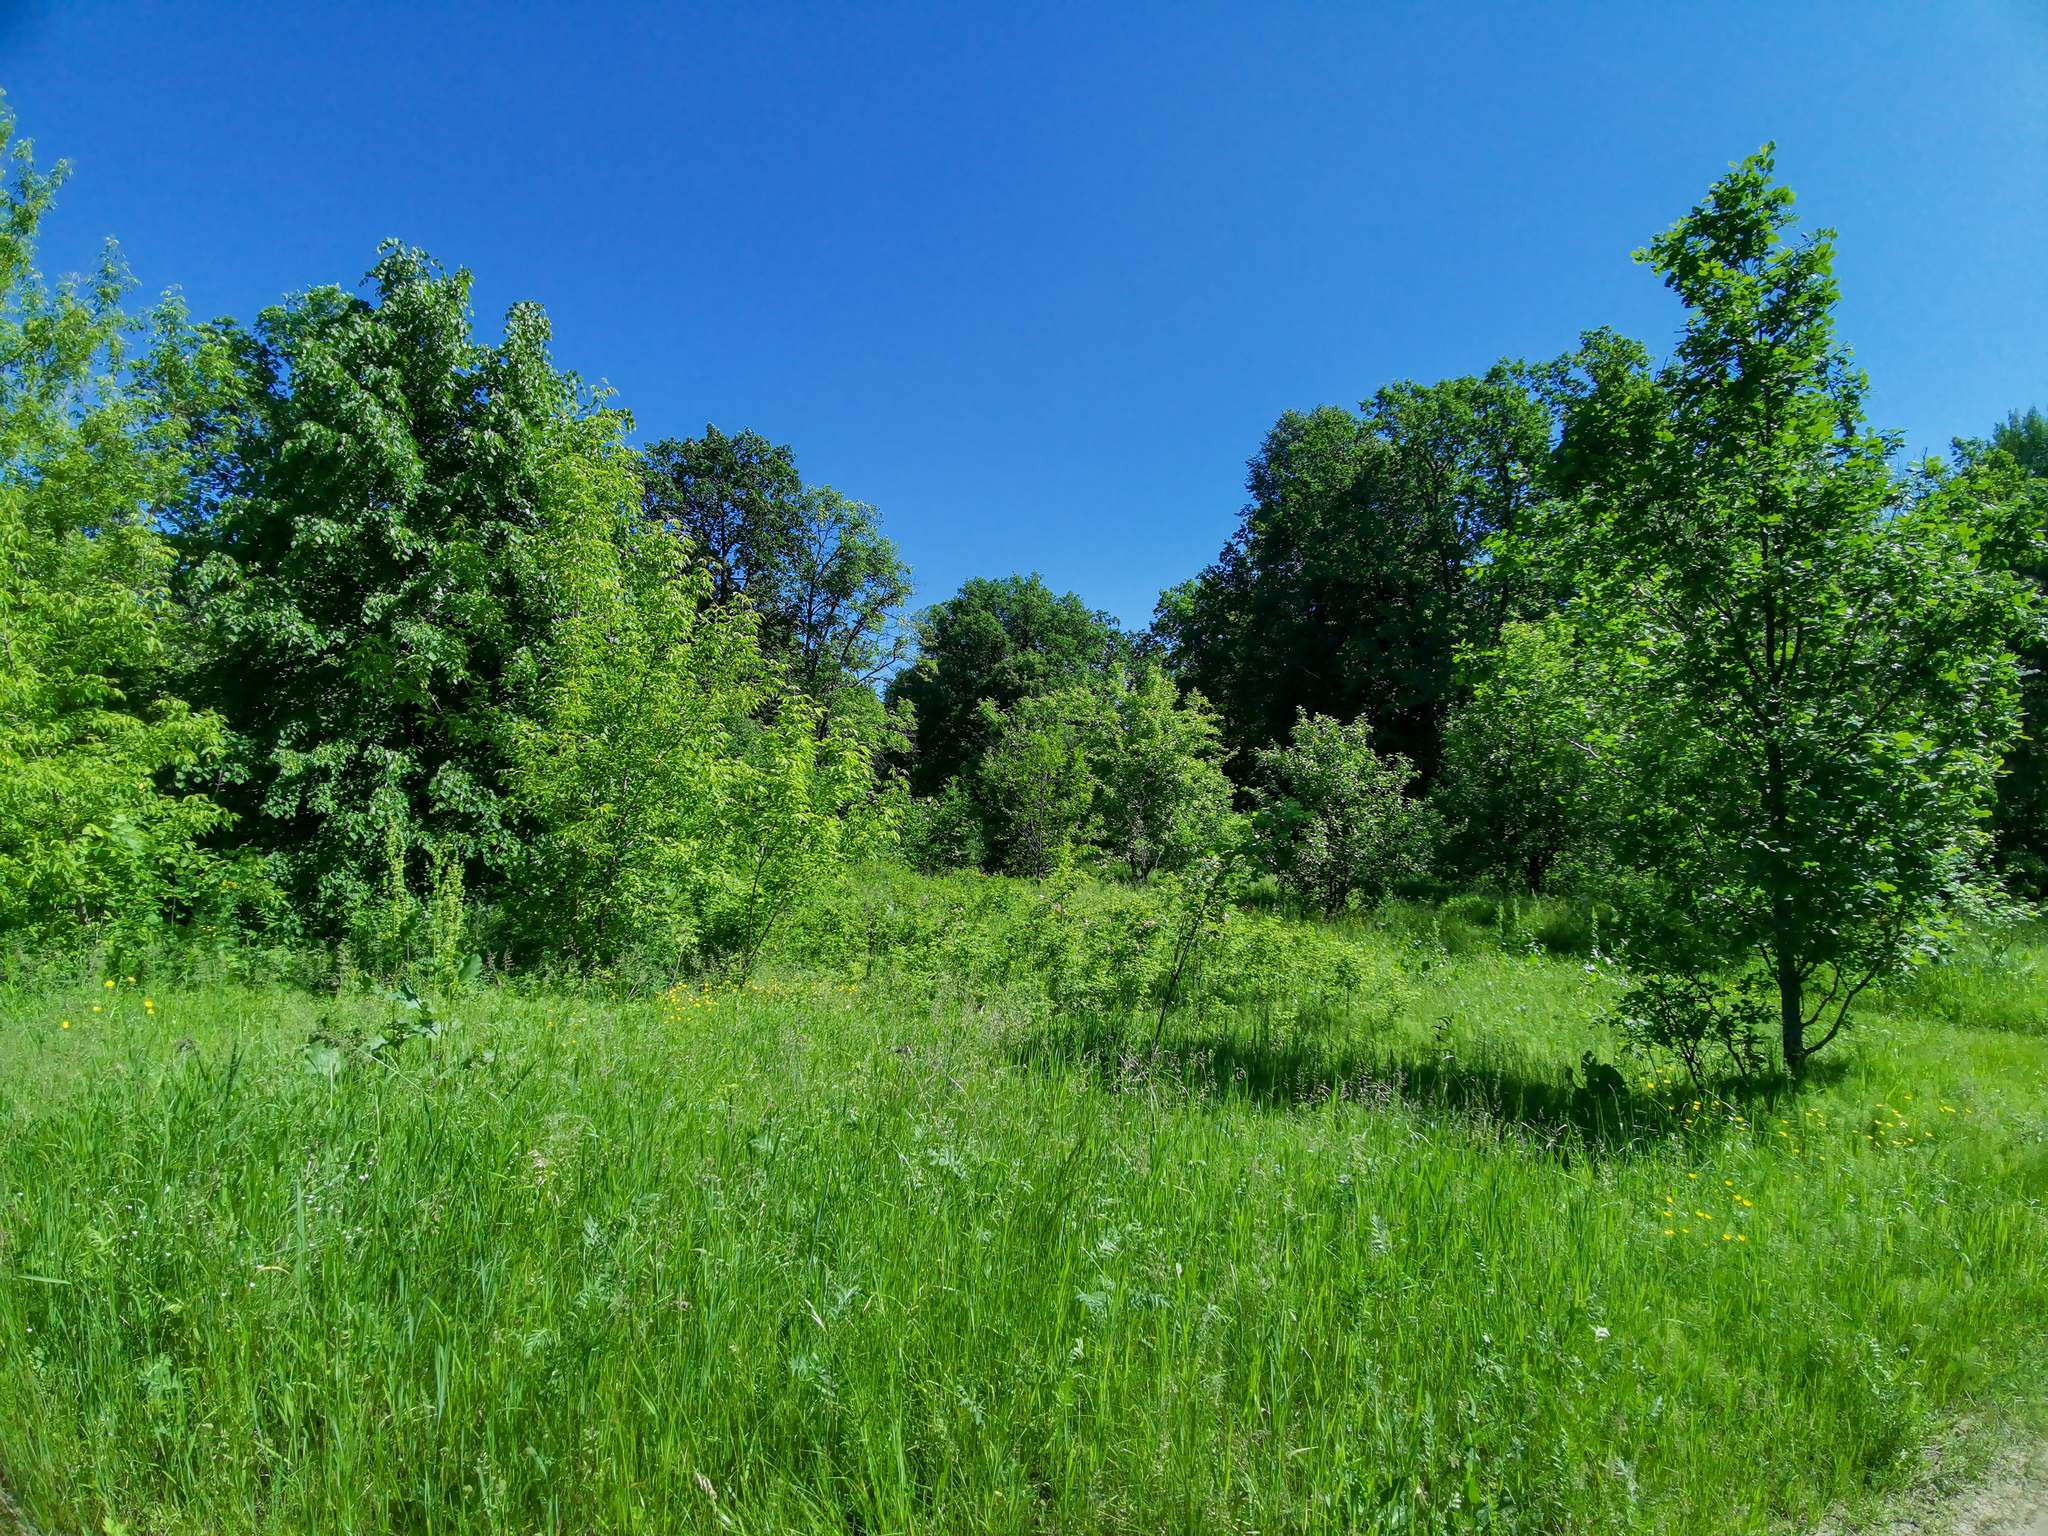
(876, 1251)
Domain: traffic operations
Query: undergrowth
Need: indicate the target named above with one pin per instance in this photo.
(902, 1239)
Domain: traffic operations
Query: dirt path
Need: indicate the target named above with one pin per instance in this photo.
(2013, 1503)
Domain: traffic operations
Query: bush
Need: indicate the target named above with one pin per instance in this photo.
(1700, 1020)
(1334, 822)
(1088, 949)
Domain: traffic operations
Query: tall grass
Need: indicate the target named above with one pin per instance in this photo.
(814, 1256)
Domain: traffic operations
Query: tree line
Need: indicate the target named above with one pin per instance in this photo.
(347, 626)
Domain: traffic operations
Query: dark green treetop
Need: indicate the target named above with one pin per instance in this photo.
(1361, 567)
(825, 583)
(996, 641)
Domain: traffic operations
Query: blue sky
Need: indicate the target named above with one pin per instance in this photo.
(1034, 279)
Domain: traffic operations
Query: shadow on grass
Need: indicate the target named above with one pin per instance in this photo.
(1285, 1070)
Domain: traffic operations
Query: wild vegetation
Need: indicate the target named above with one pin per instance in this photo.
(537, 997)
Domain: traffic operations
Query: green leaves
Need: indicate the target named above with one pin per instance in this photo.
(681, 791)
(359, 556)
(1362, 565)
(824, 583)
(994, 642)
(1804, 681)
(1334, 821)
(94, 834)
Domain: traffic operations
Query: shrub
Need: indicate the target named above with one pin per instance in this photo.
(1334, 822)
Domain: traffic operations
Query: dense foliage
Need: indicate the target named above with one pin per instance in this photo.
(1805, 683)
(351, 627)
(359, 560)
(1358, 573)
(994, 643)
(96, 833)
(814, 567)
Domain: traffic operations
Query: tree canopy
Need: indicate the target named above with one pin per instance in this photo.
(994, 642)
(1806, 656)
(1361, 566)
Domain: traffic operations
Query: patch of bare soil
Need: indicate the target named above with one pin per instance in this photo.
(12, 1521)
(2012, 1502)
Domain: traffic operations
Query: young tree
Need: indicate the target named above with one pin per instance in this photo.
(1033, 785)
(92, 829)
(682, 793)
(994, 642)
(1335, 822)
(1360, 569)
(1162, 799)
(1810, 685)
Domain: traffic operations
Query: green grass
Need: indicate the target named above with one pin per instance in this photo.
(814, 1258)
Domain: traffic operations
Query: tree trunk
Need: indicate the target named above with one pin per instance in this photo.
(1791, 1010)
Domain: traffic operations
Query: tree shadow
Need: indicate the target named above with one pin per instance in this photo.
(1554, 1107)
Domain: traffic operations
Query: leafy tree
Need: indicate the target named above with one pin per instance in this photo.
(2019, 821)
(996, 642)
(1033, 786)
(1360, 568)
(815, 567)
(683, 796)
(2025, 437)
(1517, 790)
(739, 498)
(1335, 822)
(92, 829)
(1162, 799)
(1810, 688)
(1127, 766)
(359, 554)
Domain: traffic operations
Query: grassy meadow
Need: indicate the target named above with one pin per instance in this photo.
(874, 1251)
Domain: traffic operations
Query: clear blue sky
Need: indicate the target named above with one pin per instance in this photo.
(1033, 279)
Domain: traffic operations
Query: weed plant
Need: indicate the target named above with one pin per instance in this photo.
(909, 1254)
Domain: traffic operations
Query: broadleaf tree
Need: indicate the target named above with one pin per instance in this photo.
(95, 831)
(825, 583)
(1335, 822)
(994, 642)
(357, 552)
(1361, 568)
(682, 793)
(1810, 686)
(1517, 790)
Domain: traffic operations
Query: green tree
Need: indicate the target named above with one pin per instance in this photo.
(816, 568)
(1361, 567)
(359, 554)
(1162, 799)
(1517, 789)
(1810, 686)
(2025, 437)
(2019, 822)
(996, 642)
(93, 832)
(683, 794)
(1335, 822)
(1033, 786)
